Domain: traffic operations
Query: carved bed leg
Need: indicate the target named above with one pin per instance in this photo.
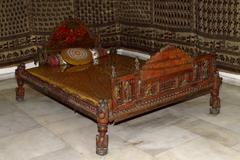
(215, 100)
(102, 120)
(20, 91)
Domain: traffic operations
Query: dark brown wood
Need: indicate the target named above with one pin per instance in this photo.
(168, 77)
(102, 122)
(71, 101)
(20, 91)
(214, 99)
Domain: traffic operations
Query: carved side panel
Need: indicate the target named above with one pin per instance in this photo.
(124, 90)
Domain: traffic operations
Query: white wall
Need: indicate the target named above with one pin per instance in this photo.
(9, 72)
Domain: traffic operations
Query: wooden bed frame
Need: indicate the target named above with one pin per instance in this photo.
(166, 78)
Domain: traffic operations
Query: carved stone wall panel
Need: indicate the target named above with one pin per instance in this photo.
(97, 12)
(46, 15)
(137, 37)
(136, 11)
(219, 18)
(102, 18)
(109, 35)
(218, 29)
(14, 31)
(174, 15)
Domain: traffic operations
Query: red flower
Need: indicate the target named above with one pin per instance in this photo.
(71, 38)
(61, 32)
(81, 31)
(71, 33)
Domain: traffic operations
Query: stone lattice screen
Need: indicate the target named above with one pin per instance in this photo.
(196, 26)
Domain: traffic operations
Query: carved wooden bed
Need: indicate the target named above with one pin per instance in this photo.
(120, 87)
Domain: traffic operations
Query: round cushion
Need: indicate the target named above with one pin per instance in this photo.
(77, 56)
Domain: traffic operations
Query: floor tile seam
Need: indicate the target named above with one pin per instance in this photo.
(79, 117)
(221, 126)
(67, 147)
(60, 136)
(171, 147)
(49, 123)
(15, 110)
(21, 132)
(49, 114)
(228, 129)
(130, 144)
(126, 142)
(214, 140)
(38, 125)
(200, 137)
(166, 125)
(163, 126)
(184, 143)
(22, 109)
(26, 114)
(67, 132)
(57, 136)
(233, 104)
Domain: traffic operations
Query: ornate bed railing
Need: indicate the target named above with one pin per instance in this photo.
(167, 77)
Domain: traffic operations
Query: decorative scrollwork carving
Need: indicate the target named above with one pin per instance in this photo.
(195, 74)
(117, 95)
(148, 90)
(127, 91)
(205, 69)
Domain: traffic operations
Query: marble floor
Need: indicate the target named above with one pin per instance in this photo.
(40, 128)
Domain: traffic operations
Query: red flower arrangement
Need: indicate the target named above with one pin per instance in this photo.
(71, 33)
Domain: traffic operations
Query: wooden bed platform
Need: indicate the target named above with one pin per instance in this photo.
(119, 87)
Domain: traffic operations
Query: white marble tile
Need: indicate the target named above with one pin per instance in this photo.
(63, 154)
(193, 107)
(84, 141)
(40, 106)
(157, 140)
(30, 93)
(29, 144)
(70, 124)
(6, 107)
(7, 84)
(16, 122)
(228, 115)
(128, 153)
(55, 116)
(234, 126)
(236, 147)
(163, 118)
(211, 131)
(200, 149)
(230, 94)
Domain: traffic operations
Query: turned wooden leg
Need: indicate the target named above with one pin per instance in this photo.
(102, 120)
(20, 91)
(215, 100)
